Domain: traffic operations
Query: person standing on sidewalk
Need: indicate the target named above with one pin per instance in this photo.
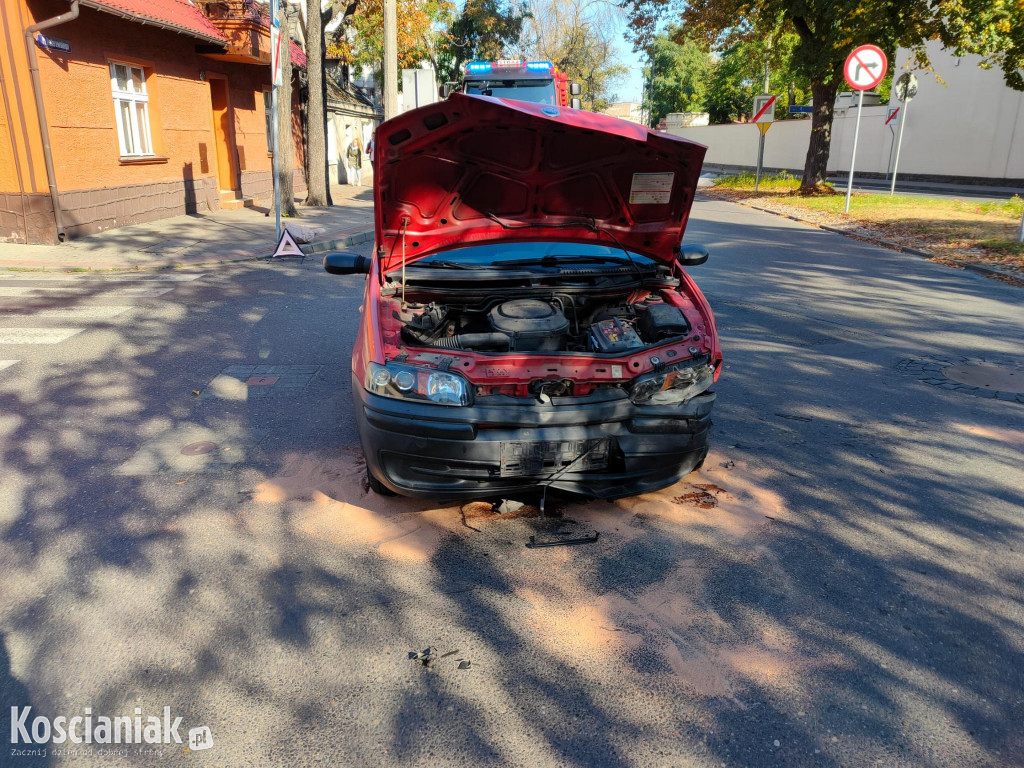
(354, 163)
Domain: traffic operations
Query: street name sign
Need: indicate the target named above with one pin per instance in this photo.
(52, 43)
(865, 67)
(796, 110)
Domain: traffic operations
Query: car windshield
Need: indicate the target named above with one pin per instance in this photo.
(541, 254)
(537, 91)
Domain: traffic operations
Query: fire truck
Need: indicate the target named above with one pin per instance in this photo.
(538, 81)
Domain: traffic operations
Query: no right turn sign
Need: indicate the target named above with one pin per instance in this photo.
(865, 67)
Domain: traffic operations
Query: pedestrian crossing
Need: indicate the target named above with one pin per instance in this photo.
(40, 309)
(135, 291)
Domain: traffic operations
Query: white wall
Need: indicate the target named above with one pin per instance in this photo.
(973, 126)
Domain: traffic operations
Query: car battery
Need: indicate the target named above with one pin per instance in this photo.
(611, 335)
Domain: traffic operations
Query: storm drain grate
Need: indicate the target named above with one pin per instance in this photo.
(253, 382)
(997, 378)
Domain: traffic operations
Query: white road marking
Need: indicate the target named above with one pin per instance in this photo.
(37, 335)
(98, 312)
(113, 277)
(137, 291)
(7, 363)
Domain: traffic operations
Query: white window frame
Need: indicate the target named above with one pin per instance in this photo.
(133, 136)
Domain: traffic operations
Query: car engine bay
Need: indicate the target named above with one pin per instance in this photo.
(555, 323)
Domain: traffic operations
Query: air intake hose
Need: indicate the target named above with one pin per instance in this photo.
(495, 341)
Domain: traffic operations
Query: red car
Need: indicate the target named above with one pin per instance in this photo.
(527, 320)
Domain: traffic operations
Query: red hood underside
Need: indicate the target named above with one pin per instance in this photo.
(547, 173)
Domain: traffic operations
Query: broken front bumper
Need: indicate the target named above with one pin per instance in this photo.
(601, 446)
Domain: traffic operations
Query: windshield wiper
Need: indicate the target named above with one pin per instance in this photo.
(557, 261)
(441, 265)
(590, 222)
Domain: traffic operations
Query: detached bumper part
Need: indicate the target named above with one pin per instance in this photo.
(485, 449)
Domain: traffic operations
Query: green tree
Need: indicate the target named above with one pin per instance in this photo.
(485, 29)
(576, 36)
(827, 30)
(739, 76)
(682, 73)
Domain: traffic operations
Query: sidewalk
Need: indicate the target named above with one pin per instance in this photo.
(195, 239)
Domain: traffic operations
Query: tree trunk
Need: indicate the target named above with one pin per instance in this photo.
(285, 133)
(816, 165)
(317, 191)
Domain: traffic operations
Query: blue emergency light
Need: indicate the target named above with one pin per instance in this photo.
(539, 66)
(478, 67)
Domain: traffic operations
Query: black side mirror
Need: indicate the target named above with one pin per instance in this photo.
(574, 89)
(342, 263)
(692, 255)
(576, 103)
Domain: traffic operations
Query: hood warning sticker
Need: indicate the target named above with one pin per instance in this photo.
(651, 188)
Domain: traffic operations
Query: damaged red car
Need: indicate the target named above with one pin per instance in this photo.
(528, 321)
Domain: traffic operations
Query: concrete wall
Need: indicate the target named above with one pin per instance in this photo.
(971, 127)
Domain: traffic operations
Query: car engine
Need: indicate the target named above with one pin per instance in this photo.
(554, 324)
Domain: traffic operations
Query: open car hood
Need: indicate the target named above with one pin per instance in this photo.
(474, 169)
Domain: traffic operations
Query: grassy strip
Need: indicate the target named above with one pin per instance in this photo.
(963, 229)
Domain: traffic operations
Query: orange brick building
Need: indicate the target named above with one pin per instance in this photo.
(153, 108)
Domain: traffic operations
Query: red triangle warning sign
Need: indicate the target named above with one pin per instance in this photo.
(287, 245)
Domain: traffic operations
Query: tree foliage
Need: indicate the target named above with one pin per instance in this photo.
(485, 29)
(682, 74)
(827, 30)
(576, 36)
(359, 40)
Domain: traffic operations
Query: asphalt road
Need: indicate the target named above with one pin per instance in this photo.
(183, 523)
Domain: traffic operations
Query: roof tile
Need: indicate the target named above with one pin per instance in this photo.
(180, 15)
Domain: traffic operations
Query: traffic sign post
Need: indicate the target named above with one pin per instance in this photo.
(764, 116)
(864, 69)
(275, 82)
(892, 116)
(906, 89)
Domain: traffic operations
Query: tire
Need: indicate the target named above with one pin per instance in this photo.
(377, 486)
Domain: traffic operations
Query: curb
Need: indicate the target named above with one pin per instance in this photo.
(356, 238)
(969, 266)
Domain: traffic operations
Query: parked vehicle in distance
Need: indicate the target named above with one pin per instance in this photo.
(539, 82)
(528, 320)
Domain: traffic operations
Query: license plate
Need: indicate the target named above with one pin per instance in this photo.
(545, 457)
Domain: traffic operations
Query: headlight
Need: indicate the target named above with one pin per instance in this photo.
(673, 385)
(408, 382)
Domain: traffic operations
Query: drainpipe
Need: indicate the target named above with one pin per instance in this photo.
(44, 131)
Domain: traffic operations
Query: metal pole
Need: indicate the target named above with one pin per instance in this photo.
(760, 158)
(274, 20)
(1020, 232)
(903, 122)
(390, 59)
(760, 142)
(853, 157)
(892, 146)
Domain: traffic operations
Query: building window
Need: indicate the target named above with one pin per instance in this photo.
(268, 115)
(131, 109)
